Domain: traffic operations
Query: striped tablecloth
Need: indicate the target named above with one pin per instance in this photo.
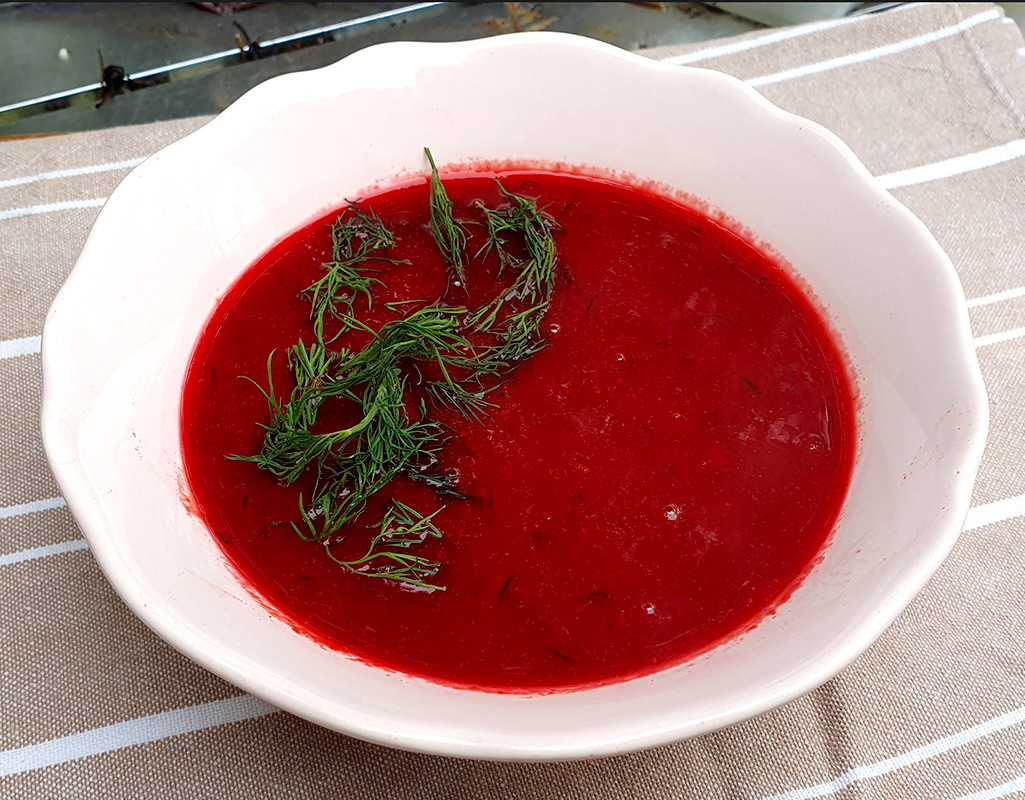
(94, 705)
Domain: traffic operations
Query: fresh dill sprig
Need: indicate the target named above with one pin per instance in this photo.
(524, 218)
(459, 355)
(470, 402)
(389, 556)
(390, 444)
(289, 447)
(521, 336)
(534, 283)
(449, 233)
(355, 239)
(361, 234)
(339, 287)
(537, 279)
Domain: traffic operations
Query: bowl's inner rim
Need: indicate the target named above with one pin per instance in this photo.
(71, 481)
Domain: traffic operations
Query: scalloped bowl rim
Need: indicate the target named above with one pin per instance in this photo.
(77, 484)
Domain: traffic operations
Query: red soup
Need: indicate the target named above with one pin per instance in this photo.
(650, 471)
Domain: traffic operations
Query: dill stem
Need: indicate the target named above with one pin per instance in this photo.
(363, 423)
(449, 233)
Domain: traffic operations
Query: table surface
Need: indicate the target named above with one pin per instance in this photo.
(931, 98)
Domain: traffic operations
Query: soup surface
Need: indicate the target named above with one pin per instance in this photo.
(656, 479)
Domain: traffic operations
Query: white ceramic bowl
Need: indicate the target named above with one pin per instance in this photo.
(183, 225)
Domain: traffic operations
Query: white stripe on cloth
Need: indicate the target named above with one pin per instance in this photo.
(996, 338)
(13, 348)
(46, 208)
(950, 167)
(784, 35)
(42, 552)
(997, 511)
(875, 52)
(71, 173)
(1004, 789)
(998, 297)
(888, 765)
(30, 508)
(137, 731)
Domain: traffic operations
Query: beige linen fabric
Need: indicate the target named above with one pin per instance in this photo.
(94, 705)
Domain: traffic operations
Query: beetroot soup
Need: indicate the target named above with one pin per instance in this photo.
(569, 433)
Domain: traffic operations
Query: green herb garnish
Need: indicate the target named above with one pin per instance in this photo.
(356, 239)
(449, 233)
(388, 555)
(520, 330)
(466, 353)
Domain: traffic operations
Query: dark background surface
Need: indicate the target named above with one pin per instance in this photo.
(53, 48)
